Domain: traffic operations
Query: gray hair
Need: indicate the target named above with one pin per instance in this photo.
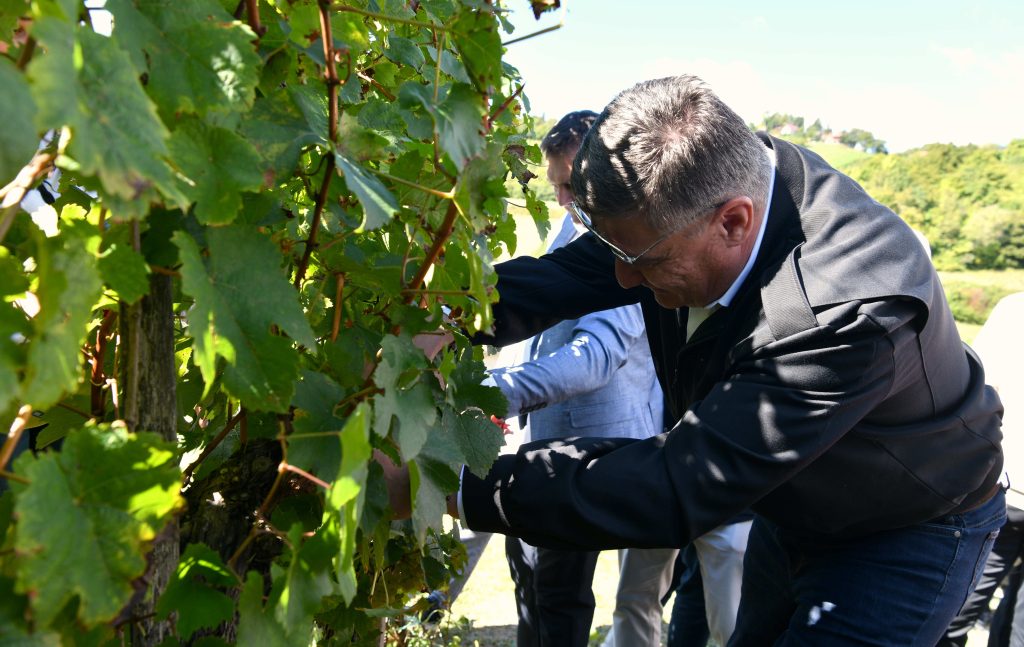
(670, 150)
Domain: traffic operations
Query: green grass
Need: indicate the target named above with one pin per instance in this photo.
(837, 155)
(1010, 280)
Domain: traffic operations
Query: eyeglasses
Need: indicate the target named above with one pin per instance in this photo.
(582, 216)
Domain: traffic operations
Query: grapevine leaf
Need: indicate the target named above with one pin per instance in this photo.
(275, 129)
(112, 491)
(234, 310)
(344, 499)
(217, 166)
(68, 287)
(355, 451)
(359, 143)
(454, 68)
(314, 401)
(477, 437)
(428, 499)
(304, 582)
(457, 117)
(86, 82)
(18, 138)
(404, 51)
(378, 204)
(415, 410)
(312, 101)
(406, 395)
(468, 392)
(12, 277)
(475, 34)
(190, 592)
(124, 270)
(200, 59)
(382, 116)
(255, 625)
(481, 190)
(349, 29)
(14, 326)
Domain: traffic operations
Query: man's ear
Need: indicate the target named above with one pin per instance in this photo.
(736, 219)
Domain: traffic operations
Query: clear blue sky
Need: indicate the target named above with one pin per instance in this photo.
(910, 71)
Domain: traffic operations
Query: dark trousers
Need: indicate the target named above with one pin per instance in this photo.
(898, 587)
(1007, 628)
(689, 624)
(553, 594)
(1008, 547)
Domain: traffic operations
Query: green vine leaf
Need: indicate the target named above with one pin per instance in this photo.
(256, 626)
(217, 167)
(475, 34)
(346, 495)
(198, 58)
(69, 286)
(116, 134)
(239, 296)
(476, 436)
(379, 206)
(111, 491)
(314, 401)
(457, 117)
(192, 593)
(428, 500)
(18, 138)
(302, 584)
(407, 397)
(124, 270)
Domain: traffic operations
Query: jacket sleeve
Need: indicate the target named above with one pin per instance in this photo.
(782, 406)
(537, 293)
(600, 345)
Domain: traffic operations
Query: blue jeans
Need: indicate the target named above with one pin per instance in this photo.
(898, 587)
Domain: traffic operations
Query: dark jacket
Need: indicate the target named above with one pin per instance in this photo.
(833, 396)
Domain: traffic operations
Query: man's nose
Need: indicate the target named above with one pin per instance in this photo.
(564, 196)
(627, 275)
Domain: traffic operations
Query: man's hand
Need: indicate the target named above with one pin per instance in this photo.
(397, 480)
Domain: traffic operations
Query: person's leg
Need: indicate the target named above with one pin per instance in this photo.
(522, 560)
(562, 582)
(644, 576)
(720, 553)
(766, 602)
(1017, 625)
(898, 587)
(1005, 551)
(688, 625)
(1002, 619)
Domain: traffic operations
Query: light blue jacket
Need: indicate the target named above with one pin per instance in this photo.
(592, 376)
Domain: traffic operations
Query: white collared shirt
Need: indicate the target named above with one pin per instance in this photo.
(696, 316)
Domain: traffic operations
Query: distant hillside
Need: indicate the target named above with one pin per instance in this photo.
(967, 200)
(794, 129)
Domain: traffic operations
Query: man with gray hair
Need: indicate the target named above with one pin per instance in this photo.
(806, 347)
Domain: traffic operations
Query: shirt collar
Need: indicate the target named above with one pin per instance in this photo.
(726, 299)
